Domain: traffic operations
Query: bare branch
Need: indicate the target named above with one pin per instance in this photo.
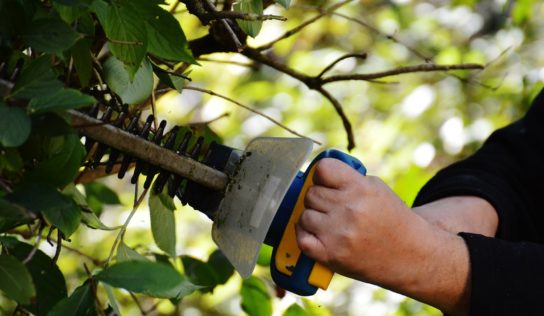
(400, 70)
(304, 24)
(345, 121)
(231, 62)
(331, 65)
(271, 119)
(194, 124)
(218, 15)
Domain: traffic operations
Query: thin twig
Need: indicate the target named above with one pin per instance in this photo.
(378, 32)
(98, 305)
(121, 234)
(231, 62)
(304, 24)
(36, 244)
(400, 70)
(218, 15)
(271, 119)
(345, 121)
(193, 124)
(121, 42)
(135, 299)
(346, 56)
(59, 246)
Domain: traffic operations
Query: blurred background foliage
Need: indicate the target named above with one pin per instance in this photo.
(406, 127)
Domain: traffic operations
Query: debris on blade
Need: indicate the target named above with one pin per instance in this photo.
(253, 195)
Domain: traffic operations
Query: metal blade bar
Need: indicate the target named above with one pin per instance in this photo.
(140, 148)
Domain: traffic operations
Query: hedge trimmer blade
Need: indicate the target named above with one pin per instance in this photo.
(253, 195)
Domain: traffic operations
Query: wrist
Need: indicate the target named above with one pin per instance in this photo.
(432, 266)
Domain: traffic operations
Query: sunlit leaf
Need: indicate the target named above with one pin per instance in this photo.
(295, 310)
(15, 280)
(256, 300)
(166, 38)
(151, 278)
(125, 253)
(251, 28)
(15, 126)
(163, 224)
(132, 90)
(126, 34)
(81, 302)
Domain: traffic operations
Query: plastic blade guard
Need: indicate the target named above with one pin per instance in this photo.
(255, 191)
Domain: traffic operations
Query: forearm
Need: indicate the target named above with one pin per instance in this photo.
(456, 214)
(430, 265)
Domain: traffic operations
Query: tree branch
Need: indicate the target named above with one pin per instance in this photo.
(271, 119)
(304, 24)
(331, 65)
(218, 15)
(400, 70)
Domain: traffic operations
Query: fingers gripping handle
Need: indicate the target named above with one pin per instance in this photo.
(290, 268)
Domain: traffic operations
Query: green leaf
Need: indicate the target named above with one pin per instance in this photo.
(37, 80)
(15, 280)
(81, 52)
(199, 272)
(131, 91)
(112, 299)
(81, 302)
(97, 194)
(221, 266)
(63, 99)
(46, 276)
(50, 35)
(58, 209)
(150, 278)
(127, 35)
(166, 38)
(216, 271)
(284, 3)
(295, 310)
(15, 126)
(265, 255)
(251, 28)
(173, 81)
(13, 215)
(83, 3)
(62, 163)
(92, 221)
(125, 253)
(163, 222)
(69, 13)
(255, 298)
(10, 160)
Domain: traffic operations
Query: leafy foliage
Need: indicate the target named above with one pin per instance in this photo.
(61, 55)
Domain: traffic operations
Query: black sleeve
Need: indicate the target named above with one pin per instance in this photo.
(507, 272)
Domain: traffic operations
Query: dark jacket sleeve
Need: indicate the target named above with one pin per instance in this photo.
(507, 272)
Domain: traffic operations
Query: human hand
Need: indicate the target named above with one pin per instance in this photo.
(358, 227)
(352, 223)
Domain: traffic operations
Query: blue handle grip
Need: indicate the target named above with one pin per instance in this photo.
(297, 282)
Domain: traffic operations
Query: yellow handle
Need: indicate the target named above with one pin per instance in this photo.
(287, 253)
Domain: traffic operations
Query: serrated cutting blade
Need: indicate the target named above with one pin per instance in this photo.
(253, 195)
